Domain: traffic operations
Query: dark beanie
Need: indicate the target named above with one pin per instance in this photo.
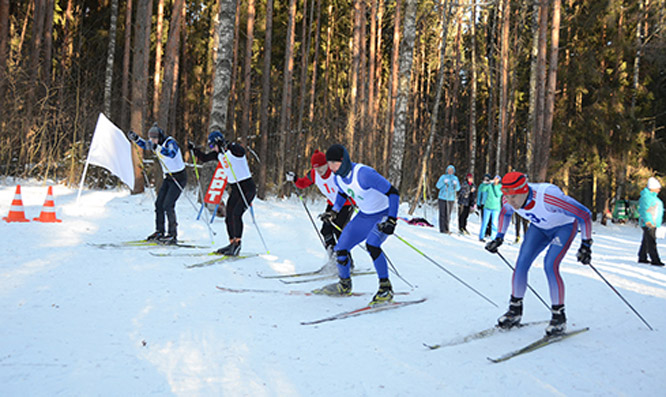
(335, 153)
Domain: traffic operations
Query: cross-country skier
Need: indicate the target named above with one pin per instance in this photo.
(234, 163)
(555, 218)
(173, 167)
(377, 201)
(321, 176)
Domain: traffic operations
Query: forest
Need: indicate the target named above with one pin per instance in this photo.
(570, 92)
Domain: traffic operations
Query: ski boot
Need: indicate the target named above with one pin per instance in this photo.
(169, 239)
(558, 322)
(233, 249)
(342, 288)
(513, 316)
(155, 236)
(384, 295)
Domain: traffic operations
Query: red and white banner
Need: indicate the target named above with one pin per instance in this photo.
(216, 187)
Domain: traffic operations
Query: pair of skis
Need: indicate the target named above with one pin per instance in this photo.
(145, 243)
(537, 344)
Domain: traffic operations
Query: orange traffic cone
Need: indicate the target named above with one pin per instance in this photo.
(16, 213)
(48, 210)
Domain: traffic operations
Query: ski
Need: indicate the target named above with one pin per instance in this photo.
(292, 275)
(544, 341)
(364, 310)
(482, 334)
(324, 277)
(144, 243)
(291, 292)
(221, 258)
(184, 254)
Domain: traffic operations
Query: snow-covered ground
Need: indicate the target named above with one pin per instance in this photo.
(80, 320)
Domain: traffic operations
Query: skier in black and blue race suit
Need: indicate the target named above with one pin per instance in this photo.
(378, 202)
(232, 157)
(175, 179)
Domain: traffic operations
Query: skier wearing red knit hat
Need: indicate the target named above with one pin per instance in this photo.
(321, 176)
(555, 219)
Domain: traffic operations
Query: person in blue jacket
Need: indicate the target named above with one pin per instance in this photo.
(175, 178)
(448, 185)
(651, 211)
(377, 201)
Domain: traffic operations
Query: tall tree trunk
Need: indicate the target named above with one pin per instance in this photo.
(233, 94)
(372, 54)
(494, 13)
(305, 61)
(223, 65)
(537, 128)
(265, 97)
(377, 82)
(642, 21)
(313, 84)
(452, 94)
(425, 158)
(406, 60)
(247, 73)
(362, 100)
(472, 96)
(124, 91)
(504, 82)
(4, 39)
(110, 56)
(285, 110)
(531, 116)
(353, 113)
(392, 88)
(550, 93)
(171, 63)
(157, 73)
(48, 41)
(327, 63)
(140, 81)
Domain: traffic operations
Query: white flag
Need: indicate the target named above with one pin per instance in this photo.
(110, 149)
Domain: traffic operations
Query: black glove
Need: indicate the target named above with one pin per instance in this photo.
(494, 245)
(290, 176)
(328, 216)
(584, 255)
(133, 136)
(388, 226)
(190, 145)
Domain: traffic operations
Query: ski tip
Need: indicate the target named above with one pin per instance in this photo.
(432, 347)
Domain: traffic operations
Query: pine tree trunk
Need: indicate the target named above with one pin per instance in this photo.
(285, 110)
(392, 89)
(531, 117)
(537, 128)
(372, 54)
(425, 158)
(171, 62)
(305, 61)
(158, 58)
(48, 41)
(406, 61)
(472, 96)
(504, 82)
(124, 91)
(377, 82)
(108, 76)
(313, 84)
(353, 113)
(327, 63)
(233, 94)
(494, 16)
(247, 74)
(140, 81)
(223, 66)
(265, 98)
(550, 93)
(4, 48)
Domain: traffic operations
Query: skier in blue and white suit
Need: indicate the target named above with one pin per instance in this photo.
(555, 219)
(175, 178)
(377, 201)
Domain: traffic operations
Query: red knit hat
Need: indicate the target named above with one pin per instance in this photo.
(514, 183)
(318, 159)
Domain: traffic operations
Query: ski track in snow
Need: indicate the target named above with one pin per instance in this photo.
(79, 320)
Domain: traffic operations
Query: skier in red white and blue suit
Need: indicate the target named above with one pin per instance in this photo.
(377, 201)
(555, 219)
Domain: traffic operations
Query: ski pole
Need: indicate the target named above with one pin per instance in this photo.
(445, 270)
(309, 215)
(528, 285)
(620, 295)
(210, 230)
(246, 203)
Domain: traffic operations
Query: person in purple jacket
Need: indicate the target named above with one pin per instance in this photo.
(377, 201)
(555, 219)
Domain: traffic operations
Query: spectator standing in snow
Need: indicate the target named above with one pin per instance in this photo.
(491, 208)
(321, 176)
(554, 218)
(448, 185)
(234, 163)
(466, 201)
(651, 210)
(175, 178)
(481, 195)
(377, 201)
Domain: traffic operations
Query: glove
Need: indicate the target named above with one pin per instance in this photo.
(649, 225)
(584, 255)
(133, 136)
(190, 145)
(290, 176)
(328, 216)
(388, 226)
(494, 245)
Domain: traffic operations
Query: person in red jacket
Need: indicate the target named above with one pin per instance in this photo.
(322, 176)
